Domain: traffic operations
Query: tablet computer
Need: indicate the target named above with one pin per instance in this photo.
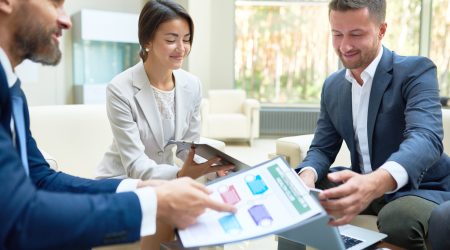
(206, 151)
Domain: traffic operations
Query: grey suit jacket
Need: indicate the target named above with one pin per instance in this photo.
(404, 125)
(138, 149)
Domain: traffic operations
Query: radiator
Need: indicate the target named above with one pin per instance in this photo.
(287, 121)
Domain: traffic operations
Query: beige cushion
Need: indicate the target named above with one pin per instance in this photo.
(295, 148)
(228, 114)
(76, 135)
(366, 221)
(228, 126)
(226, 101)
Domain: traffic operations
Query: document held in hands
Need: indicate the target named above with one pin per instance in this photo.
(269, 198)
(207, 152)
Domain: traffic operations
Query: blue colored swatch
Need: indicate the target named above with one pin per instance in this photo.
(230, 224)
(256, 184)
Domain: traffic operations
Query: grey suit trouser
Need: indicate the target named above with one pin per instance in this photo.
(404, 220)
(439, 232)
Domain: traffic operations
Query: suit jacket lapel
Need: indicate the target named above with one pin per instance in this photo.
(181, 103)
(5, 101)
(382, 79)
(345, 100)
(146, 100)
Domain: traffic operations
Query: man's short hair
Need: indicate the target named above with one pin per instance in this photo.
(377, 8)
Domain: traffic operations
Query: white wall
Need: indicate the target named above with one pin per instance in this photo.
(212, 57)
(46, 85)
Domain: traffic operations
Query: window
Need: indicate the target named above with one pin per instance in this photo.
(440, 43)
(402, 35)
(283, 48)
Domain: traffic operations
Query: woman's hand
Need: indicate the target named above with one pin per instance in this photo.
(222, 173)
(194, 170)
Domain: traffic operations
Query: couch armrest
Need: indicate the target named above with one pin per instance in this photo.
(250, 106)
(295, 148)
(251, 110)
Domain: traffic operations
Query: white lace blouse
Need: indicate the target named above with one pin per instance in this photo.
(165, 100)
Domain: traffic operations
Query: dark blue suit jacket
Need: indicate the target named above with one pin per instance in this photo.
(404, 125)
(53, 210)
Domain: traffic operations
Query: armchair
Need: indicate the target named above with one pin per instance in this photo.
(228, 115)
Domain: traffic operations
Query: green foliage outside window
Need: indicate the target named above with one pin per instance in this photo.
(284, 52)
(440, 43)
(403, 19)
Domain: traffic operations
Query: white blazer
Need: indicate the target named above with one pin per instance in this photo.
(138, 149)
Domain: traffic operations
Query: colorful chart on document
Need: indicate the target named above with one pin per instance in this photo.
(268, 198)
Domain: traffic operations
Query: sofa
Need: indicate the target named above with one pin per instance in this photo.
(294, 149)
(73, 139)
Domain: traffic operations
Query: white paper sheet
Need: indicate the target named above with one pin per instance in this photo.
(269, 197)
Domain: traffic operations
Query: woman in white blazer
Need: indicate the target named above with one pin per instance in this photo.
(155, 101)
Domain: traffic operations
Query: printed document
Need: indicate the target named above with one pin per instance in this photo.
(269, 198)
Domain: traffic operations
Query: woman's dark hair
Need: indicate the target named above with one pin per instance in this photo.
(153, 14)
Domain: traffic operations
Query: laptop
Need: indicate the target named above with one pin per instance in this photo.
(320, 235)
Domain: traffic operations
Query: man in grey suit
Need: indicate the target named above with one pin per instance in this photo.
(386, 108)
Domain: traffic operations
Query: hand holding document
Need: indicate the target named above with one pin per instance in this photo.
(269, 198)
(208, 152)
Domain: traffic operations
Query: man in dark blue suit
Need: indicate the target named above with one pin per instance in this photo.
(44, 209)
(440, 227)
(386, 107)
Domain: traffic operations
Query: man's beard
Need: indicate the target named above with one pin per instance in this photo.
(365, 58)
(34, 42)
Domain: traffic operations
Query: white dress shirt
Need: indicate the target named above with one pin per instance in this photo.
(360, 106)
(147, 196)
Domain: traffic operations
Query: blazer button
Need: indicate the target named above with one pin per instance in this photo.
(160, 153)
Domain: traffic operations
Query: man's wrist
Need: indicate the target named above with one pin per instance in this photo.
(384, 181)
(308, 170)
(307, 173)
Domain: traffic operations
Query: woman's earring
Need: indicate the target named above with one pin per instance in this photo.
(147, 50)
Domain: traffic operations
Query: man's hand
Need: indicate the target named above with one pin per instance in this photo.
(308, 177)
(181, 201)
(194, 170)
(355, 194)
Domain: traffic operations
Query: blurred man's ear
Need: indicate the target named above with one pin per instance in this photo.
(382, 32)
(6, 6)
